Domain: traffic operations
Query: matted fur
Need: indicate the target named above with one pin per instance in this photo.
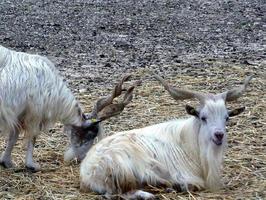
(183, 153)
(33, 95)
(164, 154)
(32, 98)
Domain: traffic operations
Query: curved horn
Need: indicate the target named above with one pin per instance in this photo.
(180, 94)
(105, 101)
(235, 93)
(115, 109)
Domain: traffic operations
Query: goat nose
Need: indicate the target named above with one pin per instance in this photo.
(219, 135)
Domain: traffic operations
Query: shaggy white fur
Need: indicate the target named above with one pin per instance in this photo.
(184, 154)
(32, 98)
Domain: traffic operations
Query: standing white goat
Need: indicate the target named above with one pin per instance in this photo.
(33, 97)
(180, 154)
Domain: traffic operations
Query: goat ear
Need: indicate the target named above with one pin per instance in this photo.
(90, 123)
(236, 111)
(86, 116)
(192, 111)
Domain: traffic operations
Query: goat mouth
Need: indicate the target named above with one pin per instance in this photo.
(217, 142)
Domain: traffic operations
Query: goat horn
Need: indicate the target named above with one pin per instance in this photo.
(235, 93)
(180, 94)
(105, 101)
(115, 109)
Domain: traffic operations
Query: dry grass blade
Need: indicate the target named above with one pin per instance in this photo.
(245, 163)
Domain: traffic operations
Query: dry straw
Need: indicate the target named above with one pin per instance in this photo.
(245, 163)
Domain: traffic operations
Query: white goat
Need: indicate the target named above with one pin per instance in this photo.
(32, 98)
(181, 154)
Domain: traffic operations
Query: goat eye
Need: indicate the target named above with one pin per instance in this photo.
(204, 119)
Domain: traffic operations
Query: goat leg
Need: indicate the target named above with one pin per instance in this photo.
(5, 159)
(30, 164)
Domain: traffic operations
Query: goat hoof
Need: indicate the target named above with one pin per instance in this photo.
(140, 195)
(169, 190)
(33, 167)
(6, 163)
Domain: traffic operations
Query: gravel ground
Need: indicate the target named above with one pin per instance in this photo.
(120, 36)
(205, 45)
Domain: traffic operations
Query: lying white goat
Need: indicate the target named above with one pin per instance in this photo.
(180, 154)
(32, 97)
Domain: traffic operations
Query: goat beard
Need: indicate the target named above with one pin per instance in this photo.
(214, 163)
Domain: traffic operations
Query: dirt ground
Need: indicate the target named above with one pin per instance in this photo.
(204, 45)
